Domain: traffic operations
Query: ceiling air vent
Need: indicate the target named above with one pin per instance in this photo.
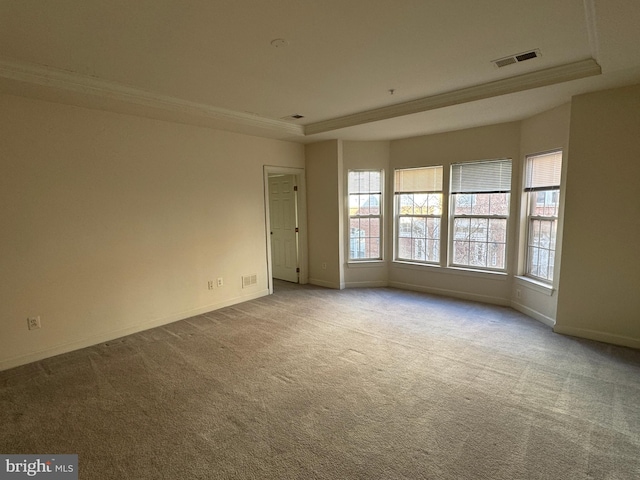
(517, 58)
(295, 116)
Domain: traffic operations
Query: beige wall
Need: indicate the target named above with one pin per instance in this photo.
(484, 143)
(368, 156)
(541, 133)
(324, 213)
(112, 223)
(599, 294)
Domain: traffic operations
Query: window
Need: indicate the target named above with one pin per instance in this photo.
(365, 215)
(418, 203)
(542, 191)
(480, 194)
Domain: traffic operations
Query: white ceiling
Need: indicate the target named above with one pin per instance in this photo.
(211, 62)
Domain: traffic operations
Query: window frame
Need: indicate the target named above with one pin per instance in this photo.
(530, 194)
(379, 215)
(455, 195)
(398, 215)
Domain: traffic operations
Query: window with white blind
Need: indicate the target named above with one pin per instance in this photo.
(480, 195)
(418, 208)
(365, 214)
(542, 192)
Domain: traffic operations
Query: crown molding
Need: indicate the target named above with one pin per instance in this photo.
(592, 28)
(540, 78)
(75, 83)
(85, 85)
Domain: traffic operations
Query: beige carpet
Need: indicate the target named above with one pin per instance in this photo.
(355, 384)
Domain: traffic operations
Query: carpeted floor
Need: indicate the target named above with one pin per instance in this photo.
(355, 384)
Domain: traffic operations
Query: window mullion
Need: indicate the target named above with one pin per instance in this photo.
(464, 215)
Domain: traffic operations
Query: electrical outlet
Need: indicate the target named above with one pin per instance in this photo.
(518, 293)
(324, 265)
(220, 282)
(210, 284)
(33, 323)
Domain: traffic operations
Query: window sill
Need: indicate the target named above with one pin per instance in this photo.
(535, 285)
(365, 264)
(415, 264)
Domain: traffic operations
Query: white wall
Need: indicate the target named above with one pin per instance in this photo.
(599, 294)
(541, 133)
(112, 223)
(324, 212)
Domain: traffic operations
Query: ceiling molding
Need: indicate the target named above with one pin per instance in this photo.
(540, 78)
(80, 84)
(592, 28)
(95, 87)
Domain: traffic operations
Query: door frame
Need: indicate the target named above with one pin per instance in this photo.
(301, 212)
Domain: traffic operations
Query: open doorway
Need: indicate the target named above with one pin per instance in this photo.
(285, 215)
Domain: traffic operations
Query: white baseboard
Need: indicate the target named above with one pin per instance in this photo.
(372, 284)
(505, 302)
(108, 336)
(326, 284)
(548, 321)
(599, 336)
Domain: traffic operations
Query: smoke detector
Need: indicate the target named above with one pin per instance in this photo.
(517, 58)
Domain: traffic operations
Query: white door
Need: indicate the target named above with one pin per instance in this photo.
(283, 219)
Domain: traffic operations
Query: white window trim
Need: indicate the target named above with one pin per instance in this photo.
(539, 284)
(536, 285)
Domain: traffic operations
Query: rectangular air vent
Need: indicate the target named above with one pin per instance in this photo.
(249, 280)
(517, 58)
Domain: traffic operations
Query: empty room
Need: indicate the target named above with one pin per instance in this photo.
(332, 239)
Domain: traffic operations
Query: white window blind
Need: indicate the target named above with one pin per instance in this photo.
(425, 179)
(543, 172)
(481, 177)
(364, 182)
